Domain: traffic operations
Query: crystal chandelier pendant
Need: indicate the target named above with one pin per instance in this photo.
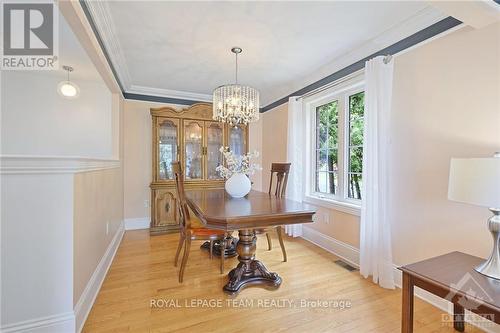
(236, 104)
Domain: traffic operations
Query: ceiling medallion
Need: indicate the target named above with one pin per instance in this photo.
(236, 104)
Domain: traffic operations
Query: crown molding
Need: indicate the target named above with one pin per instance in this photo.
(436, 30)
(421, 20)
(36, 164)
(174, 94)
(103, 21)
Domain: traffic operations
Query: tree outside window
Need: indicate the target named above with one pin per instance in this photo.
(356, 124)
(327, 119)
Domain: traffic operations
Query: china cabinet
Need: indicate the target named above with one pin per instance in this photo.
(191, 136)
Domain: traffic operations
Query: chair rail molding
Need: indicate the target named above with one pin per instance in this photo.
(38, 164)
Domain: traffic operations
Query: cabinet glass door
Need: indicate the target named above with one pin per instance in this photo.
(193, 139)
(237, 140)
(215, 140)
(168, 135)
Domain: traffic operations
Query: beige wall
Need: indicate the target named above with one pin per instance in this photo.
(255, 144)
(98, 201)
(274, 138)
(137, 156)
(445, 104)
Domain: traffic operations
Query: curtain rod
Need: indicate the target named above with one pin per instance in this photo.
(386, 60)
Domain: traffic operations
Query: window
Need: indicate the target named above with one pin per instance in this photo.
(337, 157)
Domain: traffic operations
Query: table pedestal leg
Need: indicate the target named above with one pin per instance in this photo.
(249, 271)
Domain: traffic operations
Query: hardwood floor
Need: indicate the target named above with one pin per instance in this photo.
(143, 272)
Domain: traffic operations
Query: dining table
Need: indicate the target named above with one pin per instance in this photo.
(216, 209)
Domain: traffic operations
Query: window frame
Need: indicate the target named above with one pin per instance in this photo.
(341, 92)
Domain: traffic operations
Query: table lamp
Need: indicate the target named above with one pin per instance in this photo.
(477, 181)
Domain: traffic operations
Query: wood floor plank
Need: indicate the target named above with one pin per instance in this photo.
(143, 271)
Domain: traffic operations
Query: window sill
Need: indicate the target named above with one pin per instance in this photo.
(345, 207)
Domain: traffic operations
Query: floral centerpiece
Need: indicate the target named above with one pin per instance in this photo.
(236, 171)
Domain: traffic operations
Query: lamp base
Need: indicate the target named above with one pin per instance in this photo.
(491, 267)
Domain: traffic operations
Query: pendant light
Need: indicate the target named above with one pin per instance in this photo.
(67, 88)
(236, 104)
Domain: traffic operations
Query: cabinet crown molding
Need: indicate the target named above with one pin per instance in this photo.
(197, 110)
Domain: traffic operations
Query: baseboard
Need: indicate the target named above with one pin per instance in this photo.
(84, 304)
(64, 322)
(344, 251)
(350, 255)
(137, 223)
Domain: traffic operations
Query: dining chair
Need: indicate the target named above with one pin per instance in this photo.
(189, 233)
(281, 170)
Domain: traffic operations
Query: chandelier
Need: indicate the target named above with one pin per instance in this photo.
(236, 104)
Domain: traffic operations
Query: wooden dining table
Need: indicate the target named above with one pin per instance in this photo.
(217, 210)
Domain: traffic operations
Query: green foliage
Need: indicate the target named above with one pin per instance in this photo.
(327, 124)
(327, 118)
(356, 113)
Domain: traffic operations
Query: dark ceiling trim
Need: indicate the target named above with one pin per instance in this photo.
(159, 99)
(101, 43)
(403, 44)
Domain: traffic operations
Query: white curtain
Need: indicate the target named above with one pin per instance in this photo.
(296, 156)
(375, 235)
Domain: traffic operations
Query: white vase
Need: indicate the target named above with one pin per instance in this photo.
(238, 185)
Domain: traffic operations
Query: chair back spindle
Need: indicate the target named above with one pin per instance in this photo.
(281, 170)
(181, 195)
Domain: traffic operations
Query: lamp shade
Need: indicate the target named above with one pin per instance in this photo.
(475, 181)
